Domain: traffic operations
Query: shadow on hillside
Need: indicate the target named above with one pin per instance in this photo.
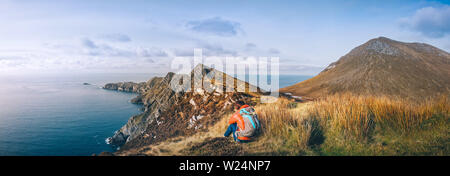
(219, 146)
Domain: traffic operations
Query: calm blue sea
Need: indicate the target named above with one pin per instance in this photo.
(58, 115)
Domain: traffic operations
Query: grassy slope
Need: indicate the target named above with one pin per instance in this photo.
(382, 126)
(338, 125)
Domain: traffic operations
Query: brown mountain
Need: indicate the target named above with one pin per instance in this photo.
(382, 66)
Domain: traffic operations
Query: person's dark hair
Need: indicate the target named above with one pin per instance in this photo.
(238, 104)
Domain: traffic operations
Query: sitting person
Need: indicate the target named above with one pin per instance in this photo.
(244, 123)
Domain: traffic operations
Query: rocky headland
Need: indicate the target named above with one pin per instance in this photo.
(168, 113)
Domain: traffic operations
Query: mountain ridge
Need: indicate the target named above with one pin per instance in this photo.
(382, 66)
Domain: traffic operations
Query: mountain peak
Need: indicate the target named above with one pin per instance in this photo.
(382, 45)
(382, 66)
(383, 38)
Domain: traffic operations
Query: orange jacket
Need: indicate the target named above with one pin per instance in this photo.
(237, 118)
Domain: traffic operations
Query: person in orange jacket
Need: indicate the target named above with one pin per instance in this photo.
(243, 124)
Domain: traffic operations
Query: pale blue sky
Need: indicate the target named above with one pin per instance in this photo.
(143, 36)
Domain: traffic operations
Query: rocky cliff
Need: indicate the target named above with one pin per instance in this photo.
(127, 87)
(168, 113)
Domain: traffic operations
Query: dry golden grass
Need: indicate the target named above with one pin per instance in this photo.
(353, 125)
(336, 125)
(357, 115)
(286, 129)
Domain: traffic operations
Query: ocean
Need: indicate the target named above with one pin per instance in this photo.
(56, 115)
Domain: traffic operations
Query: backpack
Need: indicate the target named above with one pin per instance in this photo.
(251, 122)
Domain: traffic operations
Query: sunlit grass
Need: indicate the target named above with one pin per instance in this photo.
(338, 125)
(354, 125)
(357, 116)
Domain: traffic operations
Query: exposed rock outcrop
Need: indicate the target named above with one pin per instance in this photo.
(168, 113)
(127, 87)
(156, 96)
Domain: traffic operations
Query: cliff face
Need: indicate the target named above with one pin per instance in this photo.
(155, 95)
(127, 87)
(168, 113)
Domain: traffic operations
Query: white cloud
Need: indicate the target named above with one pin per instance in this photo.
(274, 51)
(84, 55)
(116, 37)
(250, 46)
(216, 26)
(151, 52)
(93, 49)
(429, 21)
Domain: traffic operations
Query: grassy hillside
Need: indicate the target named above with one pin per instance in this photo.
(337, 125)
(356, 125)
